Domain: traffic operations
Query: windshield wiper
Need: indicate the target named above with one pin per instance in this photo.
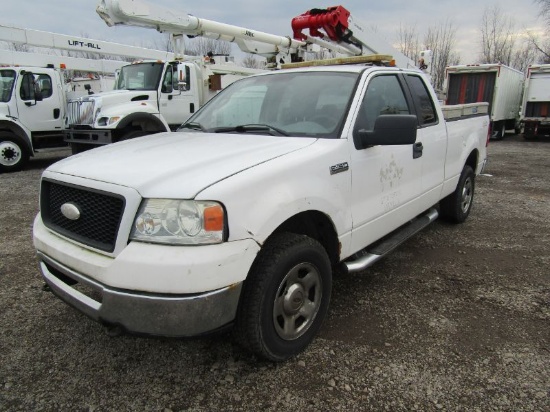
(245, 128)
(193, 126)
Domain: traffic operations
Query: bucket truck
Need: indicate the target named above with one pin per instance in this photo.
(34, 91)
(152, 97)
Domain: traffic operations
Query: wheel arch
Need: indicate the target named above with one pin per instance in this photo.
(316, 225)
(472, 160)
(6, 126)
(144, 121)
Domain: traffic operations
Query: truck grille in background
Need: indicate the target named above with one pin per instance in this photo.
(100, 214)
(81, 112)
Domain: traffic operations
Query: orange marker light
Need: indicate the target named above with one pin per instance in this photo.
(213, 219)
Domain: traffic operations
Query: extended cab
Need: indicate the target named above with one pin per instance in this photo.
(241, 216)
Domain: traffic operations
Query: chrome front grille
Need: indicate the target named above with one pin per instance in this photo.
(81, 112)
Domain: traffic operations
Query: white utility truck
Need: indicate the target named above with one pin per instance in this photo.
(158, 96)
(241, 217)
(535, 108)
(499, 85)
(34, 88)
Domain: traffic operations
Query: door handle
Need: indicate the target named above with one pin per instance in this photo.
(417, 150)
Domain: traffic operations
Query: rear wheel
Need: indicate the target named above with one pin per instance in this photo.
(499, 130)
(13, 152)
(457, 206)
(285, 297)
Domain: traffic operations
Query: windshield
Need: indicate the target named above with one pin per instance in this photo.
(289, 104)
(140, 76)
(7, 79)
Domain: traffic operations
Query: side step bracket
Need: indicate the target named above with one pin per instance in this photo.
(375, 252)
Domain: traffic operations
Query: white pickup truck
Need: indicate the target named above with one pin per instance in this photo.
(240, 218)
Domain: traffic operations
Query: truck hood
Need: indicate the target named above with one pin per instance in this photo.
(120, 96)
(177, 165)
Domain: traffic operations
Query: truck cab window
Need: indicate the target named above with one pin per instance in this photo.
(384, 96)
(7, 78)
(26, 90)
(45, 83)
(427, 114)
(167, 82)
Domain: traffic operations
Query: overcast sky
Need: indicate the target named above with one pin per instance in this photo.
(79, 18)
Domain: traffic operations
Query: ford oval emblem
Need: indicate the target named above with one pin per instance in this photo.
(70, 211)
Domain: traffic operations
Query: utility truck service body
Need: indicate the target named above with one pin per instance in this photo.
(240, 217)
(535, 108)
(499, 85)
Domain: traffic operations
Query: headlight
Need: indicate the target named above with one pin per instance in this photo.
(107, 121)
(180, 222)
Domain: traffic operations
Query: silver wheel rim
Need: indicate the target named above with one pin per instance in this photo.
(466, 198)
(297, 301)
(10, 153)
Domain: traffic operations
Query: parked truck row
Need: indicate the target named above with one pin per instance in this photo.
(41, 110)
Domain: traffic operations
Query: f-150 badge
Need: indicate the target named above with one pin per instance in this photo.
(340, 167)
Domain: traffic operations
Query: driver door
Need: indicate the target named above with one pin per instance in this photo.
(177, 101)
(36, 115)
(386, 180)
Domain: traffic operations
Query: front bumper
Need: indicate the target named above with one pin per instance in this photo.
(138, 312)
(89, 136)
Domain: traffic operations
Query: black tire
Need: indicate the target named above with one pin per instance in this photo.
(457, 206)
(499, 130)
(285, 297)
(14, 153)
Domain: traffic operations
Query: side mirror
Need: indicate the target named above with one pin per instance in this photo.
(389, 130)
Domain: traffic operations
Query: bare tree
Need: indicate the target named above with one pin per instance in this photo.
(440, 39)
(19, 47)
(409, 44)
(527, 54)
(200, 46)
(544, 9)
(251, 61)
(542, 45)
(498, 36)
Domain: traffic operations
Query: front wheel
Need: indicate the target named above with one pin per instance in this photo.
(13, 152)
(285, 297)
(457, 206)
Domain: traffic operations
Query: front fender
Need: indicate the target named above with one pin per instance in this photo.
(10, 124)
(260, 199)
(129, 112)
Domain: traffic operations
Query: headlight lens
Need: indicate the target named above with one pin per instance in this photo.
(107, 121)
(180, 222)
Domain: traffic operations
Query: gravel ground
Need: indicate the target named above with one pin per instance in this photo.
(456, 319)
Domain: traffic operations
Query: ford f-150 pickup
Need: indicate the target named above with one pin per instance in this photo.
(242, 216)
